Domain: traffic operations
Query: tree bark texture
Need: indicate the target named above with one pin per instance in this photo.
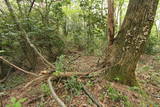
(122, 56)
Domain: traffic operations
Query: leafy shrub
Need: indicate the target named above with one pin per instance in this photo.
(115, 95)
(73, 86)
(60, 64)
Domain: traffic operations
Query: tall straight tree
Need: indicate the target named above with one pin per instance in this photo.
(122, 56)
(110, 21)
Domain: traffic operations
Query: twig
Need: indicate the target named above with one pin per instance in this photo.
(29, 83)
(30, 9)
(18, 68)
(94, 100)
(34, 99)
(35, 49)
(59, 101)
(156, 96)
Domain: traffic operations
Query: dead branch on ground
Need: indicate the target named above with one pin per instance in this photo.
(57, 75)
(91, 96)
(59, 101)
(18, 68)
(36, 79)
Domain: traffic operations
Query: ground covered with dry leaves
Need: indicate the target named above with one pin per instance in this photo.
(108, 94)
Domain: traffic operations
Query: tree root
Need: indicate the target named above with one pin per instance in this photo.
(59, 101)
(57, 75)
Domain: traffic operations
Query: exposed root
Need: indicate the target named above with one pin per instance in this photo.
(59, 101)
(57, 75)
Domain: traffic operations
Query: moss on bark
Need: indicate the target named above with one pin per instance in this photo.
(122, 57)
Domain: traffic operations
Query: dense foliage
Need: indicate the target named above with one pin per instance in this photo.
(56, 27)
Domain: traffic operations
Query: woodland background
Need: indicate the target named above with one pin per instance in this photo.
(71, 34)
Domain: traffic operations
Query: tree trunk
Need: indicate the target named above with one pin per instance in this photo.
(122, 56)
(110, 21)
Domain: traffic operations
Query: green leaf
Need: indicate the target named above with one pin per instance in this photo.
(22, 100)
(13, 99)
(17, 104)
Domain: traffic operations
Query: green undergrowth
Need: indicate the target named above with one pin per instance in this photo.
(117, 96)
(13, 80)
(16, 102)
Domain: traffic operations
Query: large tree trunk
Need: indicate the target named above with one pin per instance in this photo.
(123, 55)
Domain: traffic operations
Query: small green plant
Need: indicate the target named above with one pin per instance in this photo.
(117, 79)
(60, 64)
(138, 90)
(102, 95)
(115, 95)
(134, 88)
(15, 102)
(155, 105)
(151, 47)
(45, 89)
(90, 83)
(73, 86)
(157, 58)
(146, 68)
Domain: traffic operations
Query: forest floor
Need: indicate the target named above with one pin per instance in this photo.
(109, 94)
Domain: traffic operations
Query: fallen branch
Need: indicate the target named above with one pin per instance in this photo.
(29, 83)
(56, 75)
(59, 101)
(94, 100)
(18, 68)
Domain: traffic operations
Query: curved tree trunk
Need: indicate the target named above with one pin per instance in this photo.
(122, 56)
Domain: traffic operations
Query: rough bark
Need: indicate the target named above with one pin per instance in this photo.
(122, 57)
